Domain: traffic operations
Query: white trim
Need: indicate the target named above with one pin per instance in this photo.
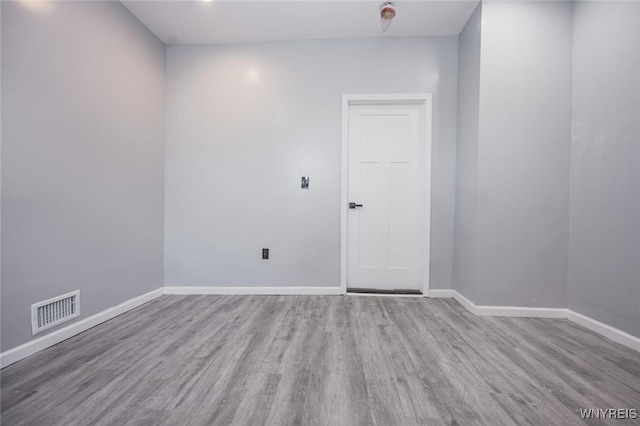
(254, 290)
(440, 293)
(508, 311)
(344, 193)
(605, 330)
(53, 338)
(424, 99)
(386, 98)
(16, 354)
(425, 193)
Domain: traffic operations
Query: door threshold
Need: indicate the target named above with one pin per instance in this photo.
(376, 292)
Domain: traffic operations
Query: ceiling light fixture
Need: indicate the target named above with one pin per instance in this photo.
(387, 13)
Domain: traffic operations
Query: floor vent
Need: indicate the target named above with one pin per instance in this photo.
(54, 311)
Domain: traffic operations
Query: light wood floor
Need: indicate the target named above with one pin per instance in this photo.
(322, 360)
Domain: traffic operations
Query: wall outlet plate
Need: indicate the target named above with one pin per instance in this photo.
(304, 183)
(265, 253)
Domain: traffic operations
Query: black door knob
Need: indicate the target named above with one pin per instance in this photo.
(354, 205)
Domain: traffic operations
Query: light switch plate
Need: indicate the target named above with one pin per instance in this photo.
(304, 183)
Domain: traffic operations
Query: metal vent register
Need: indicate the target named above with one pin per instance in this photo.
(54, 311)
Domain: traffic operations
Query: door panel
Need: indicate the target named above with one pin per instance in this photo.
(400, 204)
(385, 162)
(371, 177)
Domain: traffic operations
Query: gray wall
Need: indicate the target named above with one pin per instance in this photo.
(464, 267)
(522, 168)
(604, 260)
(245, 122)
(0, 173)
(82, 158)
(523, 157)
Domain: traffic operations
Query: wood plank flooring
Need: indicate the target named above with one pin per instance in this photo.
(320, 360)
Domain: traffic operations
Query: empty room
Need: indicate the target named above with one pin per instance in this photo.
(314, 212)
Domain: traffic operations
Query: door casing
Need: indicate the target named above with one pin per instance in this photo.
(424, 99)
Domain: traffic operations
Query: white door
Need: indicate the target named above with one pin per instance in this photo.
(386, 182)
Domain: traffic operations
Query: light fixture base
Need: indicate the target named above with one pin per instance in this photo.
(387, 13)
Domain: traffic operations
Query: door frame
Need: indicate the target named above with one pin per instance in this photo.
(424, 99)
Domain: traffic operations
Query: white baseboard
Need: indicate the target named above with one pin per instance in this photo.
(440, 293)
(605, 330)
(254, 290)
(36, 345)
(612, 333)
(16, 354)
(509, 311)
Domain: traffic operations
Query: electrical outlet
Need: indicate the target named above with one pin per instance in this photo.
(265, 253)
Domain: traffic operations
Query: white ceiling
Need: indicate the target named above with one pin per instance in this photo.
(241, 21)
